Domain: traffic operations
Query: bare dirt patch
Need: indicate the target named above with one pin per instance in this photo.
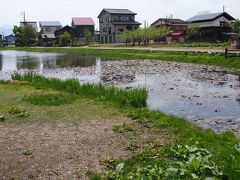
(61, 150)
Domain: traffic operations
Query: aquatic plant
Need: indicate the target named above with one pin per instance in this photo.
(124, 98)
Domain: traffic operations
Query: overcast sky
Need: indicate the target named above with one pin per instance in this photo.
(149, 10)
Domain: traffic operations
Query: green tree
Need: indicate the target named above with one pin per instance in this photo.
(236, 26)
(65, 38)
(26, 36)
(139, 34)
(125, 36)
(88, 36)
(192, 33)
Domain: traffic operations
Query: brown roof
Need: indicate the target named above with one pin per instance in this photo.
(168, 21)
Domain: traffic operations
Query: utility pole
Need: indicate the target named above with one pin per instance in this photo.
(223, 8)
(24, 16)
(145, 33)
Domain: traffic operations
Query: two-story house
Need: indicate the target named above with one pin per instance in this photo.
(1, 39)
(9, 40)
(177, 28)
(80, 25)
(47, 30)
(66, 29)
(212, 27)
(114, 21)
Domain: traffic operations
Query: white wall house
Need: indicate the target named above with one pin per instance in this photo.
(212, 27)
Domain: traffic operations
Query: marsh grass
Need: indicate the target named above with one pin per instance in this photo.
(50, 99)
(124, 98)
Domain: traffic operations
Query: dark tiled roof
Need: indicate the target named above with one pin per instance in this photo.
(209, 17)
(170, 21)
(118, 11)
(29, 23)
(50, 23)
(126, 23)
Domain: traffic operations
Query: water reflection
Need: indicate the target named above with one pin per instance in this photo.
(14, 61)
(1, 61)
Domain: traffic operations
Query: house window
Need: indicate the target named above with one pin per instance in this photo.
(129, 18)
(105, 29)
(102, 21)
(222, 24)
(48, 29)
(120, 30)
(107, 19)
(120, 18)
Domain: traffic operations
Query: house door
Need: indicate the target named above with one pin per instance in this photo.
(106, 40)
(110, 39)
(102, 40)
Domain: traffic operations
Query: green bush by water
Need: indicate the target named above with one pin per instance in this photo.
(124, 98)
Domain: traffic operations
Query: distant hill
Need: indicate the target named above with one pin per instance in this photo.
(6, 30)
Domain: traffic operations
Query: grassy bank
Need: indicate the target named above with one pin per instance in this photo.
(130, 98)
(190, 154)
(188, 57)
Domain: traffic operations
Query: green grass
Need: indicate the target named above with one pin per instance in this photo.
(129, 98)
(196, 152)
(187, 57)
(50, 99)
(13, 94)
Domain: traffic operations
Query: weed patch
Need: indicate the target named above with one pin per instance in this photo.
(28, 152)
(123, 128)
(3, 118)
(183, 162)
(17, 111)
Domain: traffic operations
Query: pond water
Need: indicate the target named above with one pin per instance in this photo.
(205, 95)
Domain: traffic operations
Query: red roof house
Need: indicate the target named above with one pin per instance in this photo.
(81, 24)
(83, 21)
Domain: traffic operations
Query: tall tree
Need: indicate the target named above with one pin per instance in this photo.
(139, 33)
(26, 36)
(125, 36)
(65, 38)
(88, 36)
(192, 33)
(236, 26)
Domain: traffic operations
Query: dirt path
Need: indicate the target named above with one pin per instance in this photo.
(61, 150)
